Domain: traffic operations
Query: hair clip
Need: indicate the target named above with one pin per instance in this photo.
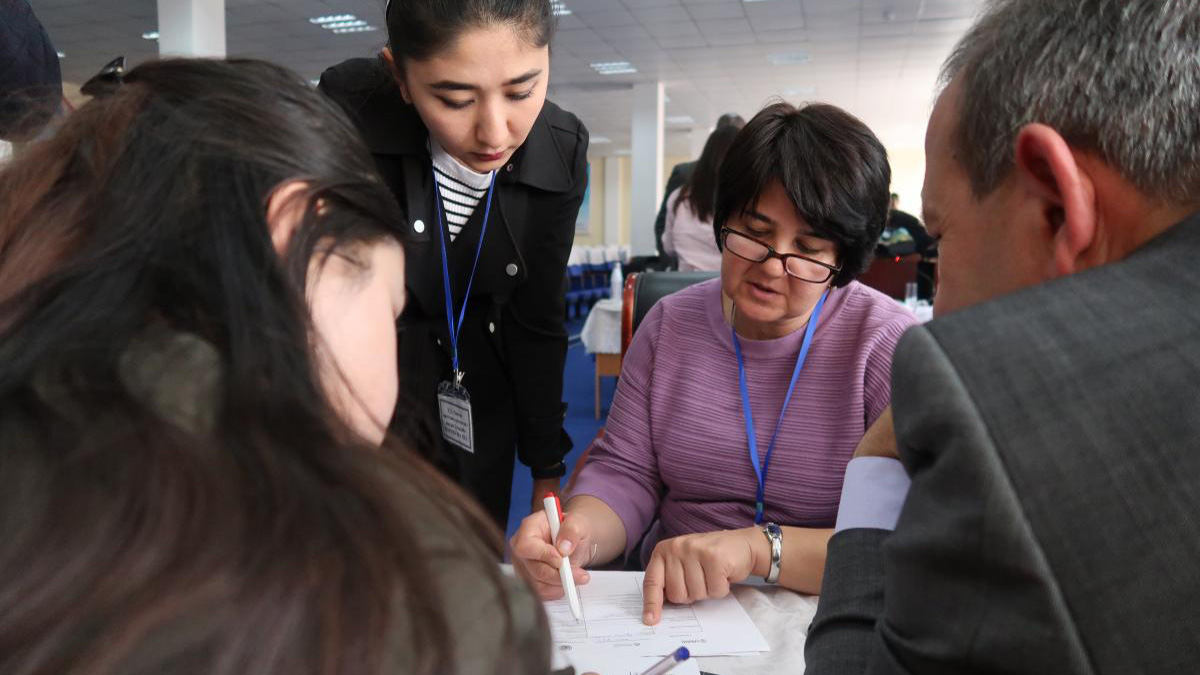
(107, 81)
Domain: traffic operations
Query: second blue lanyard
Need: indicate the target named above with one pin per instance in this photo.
(456, 326)
(760, 470)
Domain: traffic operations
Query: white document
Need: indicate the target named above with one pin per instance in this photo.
(612, 622)
(606, 662)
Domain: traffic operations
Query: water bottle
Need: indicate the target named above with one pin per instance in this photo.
(618, 281)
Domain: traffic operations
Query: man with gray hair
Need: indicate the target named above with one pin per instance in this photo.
(1049, 418)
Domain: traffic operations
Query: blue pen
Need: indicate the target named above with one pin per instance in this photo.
(673, 659)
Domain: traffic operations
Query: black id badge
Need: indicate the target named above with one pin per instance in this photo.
(454, 411)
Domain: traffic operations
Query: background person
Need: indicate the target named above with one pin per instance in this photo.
(30, 77)
(688, 236)
(679, 175)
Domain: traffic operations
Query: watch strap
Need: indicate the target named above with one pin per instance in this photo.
(774, 535)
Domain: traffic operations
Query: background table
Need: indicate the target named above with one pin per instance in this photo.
(601, 336)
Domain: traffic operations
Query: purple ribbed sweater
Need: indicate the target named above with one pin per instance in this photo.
(674, 452)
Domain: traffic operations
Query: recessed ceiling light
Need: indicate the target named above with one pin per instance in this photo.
(559, 8)
(342, 23)
(62, 55)
(789, 59)
(599, 140)
(614, 67)
(150, 35)
(680, 119)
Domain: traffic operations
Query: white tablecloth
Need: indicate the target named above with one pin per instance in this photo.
(602, 330)
(783, 617)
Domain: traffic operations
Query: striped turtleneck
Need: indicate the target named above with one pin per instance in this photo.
(461, 188)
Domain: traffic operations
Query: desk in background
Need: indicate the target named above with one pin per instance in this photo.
(601, 336)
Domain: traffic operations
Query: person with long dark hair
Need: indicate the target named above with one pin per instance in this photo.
(688, 235)
(195, 273)
(490, 177)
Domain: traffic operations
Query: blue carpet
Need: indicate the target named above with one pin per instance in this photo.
(581, 424)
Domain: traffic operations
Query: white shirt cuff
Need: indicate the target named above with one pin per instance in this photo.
(872, 494)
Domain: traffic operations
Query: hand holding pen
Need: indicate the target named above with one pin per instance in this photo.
(554, 516)
(537, 553)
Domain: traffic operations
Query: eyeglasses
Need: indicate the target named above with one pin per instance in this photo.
(748, 248)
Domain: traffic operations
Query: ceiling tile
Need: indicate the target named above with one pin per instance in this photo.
(657, 14)
(727, 10)
(618, 17)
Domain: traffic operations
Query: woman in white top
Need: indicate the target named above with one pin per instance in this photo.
(689, 232)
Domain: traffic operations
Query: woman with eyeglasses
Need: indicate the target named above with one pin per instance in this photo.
(741, 400)
(490, 176)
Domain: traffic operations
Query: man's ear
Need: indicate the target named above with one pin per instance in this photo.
(390, 59)
(285, 212)
(1047, 169)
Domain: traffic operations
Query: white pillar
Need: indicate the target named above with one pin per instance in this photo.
(698, 138)
(647, 159)
(612, 201)
(191, 28)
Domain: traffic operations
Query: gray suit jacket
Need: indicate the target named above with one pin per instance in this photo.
(1053, 523)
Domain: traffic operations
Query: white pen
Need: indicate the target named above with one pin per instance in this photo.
(553, 510)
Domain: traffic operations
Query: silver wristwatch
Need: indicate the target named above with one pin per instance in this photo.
(774, 535)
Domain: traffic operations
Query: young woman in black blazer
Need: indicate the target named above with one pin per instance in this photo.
(455, 113)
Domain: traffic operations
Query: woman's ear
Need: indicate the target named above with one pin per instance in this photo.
(285, 212)
(390, 59)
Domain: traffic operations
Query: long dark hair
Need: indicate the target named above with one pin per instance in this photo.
(418, 29)
(217, 519)
(700, 189)
(832, 167)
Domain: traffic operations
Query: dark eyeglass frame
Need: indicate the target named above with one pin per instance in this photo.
(772, 253)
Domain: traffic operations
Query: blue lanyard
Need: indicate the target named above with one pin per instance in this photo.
(456, 328)
(760, 472)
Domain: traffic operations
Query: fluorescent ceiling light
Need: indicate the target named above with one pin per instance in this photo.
(680, 119)
(150, 35)
(332, 18)
(342, 23)
(789, 59)
(599, 140)
(614, 67)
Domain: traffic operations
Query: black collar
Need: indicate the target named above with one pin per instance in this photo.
(392, 127)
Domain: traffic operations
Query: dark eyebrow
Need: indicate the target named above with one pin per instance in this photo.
(522, 79)
(447, 85)
(758, 216)
(450, 85)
